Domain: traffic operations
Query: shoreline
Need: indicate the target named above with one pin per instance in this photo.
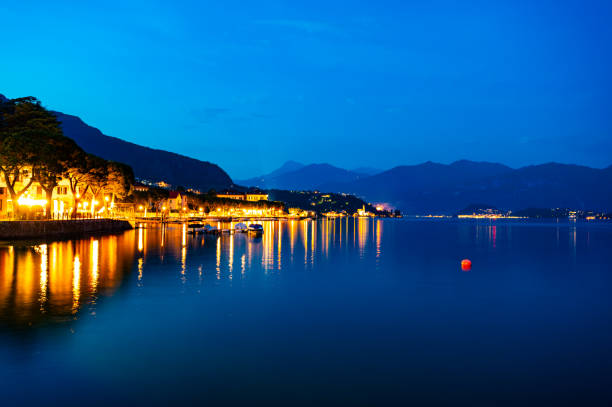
(43, 229)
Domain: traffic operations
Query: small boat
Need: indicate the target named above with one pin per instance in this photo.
(255, 229)
(210, 229)
(241, 227)
(195, 228)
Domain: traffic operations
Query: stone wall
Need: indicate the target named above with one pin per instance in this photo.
(59, 228)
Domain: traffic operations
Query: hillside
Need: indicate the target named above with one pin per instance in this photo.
(151, 164)
(148, 163)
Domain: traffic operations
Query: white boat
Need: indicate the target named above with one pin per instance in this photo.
(255, 228)
(240, 227)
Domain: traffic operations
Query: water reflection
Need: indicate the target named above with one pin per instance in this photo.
(53, 281)
(57, 281)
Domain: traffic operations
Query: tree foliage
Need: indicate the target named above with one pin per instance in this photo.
(33, 149)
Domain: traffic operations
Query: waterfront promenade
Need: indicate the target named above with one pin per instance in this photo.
(23, 229)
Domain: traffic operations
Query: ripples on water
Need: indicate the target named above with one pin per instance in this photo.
(350, 310)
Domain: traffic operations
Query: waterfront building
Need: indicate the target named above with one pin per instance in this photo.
(34, 202)
(248, 196)
(141, 187)
(176, 201)
(253, 197)
(232, 195)
(34, 198)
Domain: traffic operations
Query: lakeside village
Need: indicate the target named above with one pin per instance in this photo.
(84, 195)
(152, 202)
(69, 199)
(47, 176)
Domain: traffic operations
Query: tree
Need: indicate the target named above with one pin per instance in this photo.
(24, 128)
(76, 174)
(56, 155)
(97, 177)
(120, 179)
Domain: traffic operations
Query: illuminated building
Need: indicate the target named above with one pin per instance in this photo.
(232, 195)
(34, 198)
(141, 187)
(249, 196)
(257, 197)
(176, 201)
(362, 213)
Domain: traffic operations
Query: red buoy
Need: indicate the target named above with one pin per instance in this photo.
(466, 265)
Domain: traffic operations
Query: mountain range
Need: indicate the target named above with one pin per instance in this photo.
(415, 189)
(441, 188)
(148, 163)
(296, 176)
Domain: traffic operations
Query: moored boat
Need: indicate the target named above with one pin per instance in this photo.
(195, 228)
(240, 227)
(255, 229)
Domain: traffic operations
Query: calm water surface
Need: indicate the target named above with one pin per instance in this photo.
(358, 312)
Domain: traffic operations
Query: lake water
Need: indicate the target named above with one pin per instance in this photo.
(352, 311)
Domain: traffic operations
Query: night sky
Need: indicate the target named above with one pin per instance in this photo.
(352, 83)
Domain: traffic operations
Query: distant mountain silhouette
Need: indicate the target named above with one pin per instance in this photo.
(439, 188)
(305, 177)
(288, 166)
(151, 164)
(367, 170)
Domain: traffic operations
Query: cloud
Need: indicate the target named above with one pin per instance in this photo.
(300, 25)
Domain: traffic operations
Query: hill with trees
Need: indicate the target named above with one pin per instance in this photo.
(33, 150)
(148, 163)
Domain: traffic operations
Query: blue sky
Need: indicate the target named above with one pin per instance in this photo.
(249, 85)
